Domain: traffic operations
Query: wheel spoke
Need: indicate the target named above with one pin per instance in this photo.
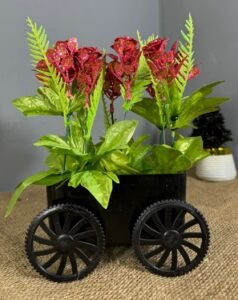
(154, 252)
(158, 223)
(184, 255)
(187, 225)
(43, 241)
(163, 258)
(77, 226)
(47, 230)
(62, 265)
(151, 231)
(174, 259)
(56, 222)
(85, 245)
(178, 219)
(73, 263)
(191, 246)
(44, 252)
(51, 261)
(85, 234)
(82, 255)
(168, 223)
(67, 222)
(195, 235)
(150, 241)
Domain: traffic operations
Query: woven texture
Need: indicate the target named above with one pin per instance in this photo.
(120, 276)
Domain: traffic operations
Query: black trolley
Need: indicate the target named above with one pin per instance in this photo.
(170, 237)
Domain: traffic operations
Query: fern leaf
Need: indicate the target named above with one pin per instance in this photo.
(38, 46)
(148, 40)
(185, 54)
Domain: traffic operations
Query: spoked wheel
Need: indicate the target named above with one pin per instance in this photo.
(170, 238)
(65, 242)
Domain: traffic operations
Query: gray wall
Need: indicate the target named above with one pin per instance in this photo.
(216, 46)
(94, 22)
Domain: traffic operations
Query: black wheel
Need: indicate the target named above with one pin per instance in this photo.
(170, 238)
(65, 242)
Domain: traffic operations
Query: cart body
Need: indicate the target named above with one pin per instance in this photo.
(128, 200)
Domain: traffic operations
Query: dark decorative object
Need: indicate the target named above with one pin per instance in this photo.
(212, 128)
(66, 241)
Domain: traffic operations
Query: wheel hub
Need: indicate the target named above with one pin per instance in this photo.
(172, 239)
(64, 243)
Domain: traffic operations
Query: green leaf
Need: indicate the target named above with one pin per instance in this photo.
(117, 136)
(137, 152)
(94, 102)
(96, 182)
(192, 148)
(117, 162)
(113, 176)
(52, 141)
(37, 105)
(22, 186)
(149, 110)
(52, 179)
(76, 139)
(167, 160)
(198, 104)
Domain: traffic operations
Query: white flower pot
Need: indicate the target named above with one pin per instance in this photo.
(216, 168)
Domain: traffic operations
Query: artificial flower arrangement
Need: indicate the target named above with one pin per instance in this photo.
(151, 81)
(65, 242)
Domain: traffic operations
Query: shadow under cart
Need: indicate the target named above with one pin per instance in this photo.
(170, 237)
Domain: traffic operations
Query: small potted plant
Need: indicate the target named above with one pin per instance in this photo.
(146, 184)
(220, 165)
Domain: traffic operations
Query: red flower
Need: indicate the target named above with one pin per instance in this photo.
(164, 65)
(111, 87)
(89, 64)
(61, 56)
(124, 68)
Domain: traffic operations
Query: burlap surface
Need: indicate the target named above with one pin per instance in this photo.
(120, 276)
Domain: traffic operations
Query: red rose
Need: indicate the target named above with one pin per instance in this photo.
(164, 65)
(62, 57)
(89, 64)
(124, 66)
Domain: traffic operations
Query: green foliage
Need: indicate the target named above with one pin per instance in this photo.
(96, 182)
(198, 104)
(149, 110)
(192, 148)
(182, 156)
(118, 136)
(23, 185)
(186, 54)
(94, 102)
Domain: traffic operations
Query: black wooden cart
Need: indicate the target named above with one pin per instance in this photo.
(66, 241)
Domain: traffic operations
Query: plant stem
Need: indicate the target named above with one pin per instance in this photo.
(112, 117)
(67, 134)
(85, 144)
